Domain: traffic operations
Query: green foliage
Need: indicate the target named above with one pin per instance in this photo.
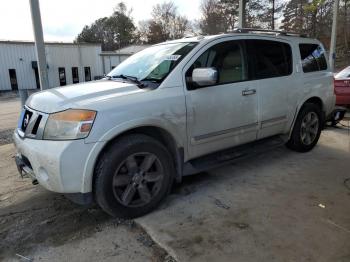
(314, 18)
(112, 32)
(222, 15)
(217, 16)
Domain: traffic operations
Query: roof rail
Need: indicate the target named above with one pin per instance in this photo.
(266, 31)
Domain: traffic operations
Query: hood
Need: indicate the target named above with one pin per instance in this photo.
(79, 95)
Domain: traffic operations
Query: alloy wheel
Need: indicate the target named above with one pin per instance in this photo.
(309, 128)
(138, 179)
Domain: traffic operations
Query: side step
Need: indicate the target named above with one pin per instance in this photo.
(227, 156)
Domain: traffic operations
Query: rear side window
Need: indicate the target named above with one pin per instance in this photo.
(270, 58)
(312, 58)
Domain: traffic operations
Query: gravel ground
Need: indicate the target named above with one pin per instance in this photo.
(262, 209)
(9, 113)
(45, 226)
(41, 225)
(6, 136)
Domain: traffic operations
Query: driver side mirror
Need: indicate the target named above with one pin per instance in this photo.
(205, 76)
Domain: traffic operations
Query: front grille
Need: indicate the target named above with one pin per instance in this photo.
(26, 119)
(33, 124)
(36, 125)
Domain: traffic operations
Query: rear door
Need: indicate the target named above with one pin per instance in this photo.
(273, 67)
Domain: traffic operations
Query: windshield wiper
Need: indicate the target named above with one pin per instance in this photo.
(130, 78)
(152, 79)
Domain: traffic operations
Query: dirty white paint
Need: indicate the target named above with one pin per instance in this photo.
(20, 55)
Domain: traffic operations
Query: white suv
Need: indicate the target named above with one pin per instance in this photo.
(174, 109)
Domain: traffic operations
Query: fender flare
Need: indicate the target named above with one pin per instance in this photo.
(110, 135)
(299, 106)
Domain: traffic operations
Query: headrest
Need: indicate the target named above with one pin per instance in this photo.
(232, 60)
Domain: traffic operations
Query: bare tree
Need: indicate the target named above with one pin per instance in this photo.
(212, 21)
(165, 24)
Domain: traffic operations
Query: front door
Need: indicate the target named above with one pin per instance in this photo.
(224, 114)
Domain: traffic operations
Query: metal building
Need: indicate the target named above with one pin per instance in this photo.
(67, 63)
(111, 59)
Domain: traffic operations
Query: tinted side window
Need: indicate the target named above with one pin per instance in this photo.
(270, 58)
(312, 58)
(227, 58)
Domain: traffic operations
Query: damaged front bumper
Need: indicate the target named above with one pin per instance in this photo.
(24, 170)
(59, 166)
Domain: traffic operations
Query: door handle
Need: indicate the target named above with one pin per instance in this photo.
(248, 92)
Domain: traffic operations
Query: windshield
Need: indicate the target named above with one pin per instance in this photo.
(153, 63)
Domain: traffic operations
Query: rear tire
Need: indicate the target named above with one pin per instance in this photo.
(307, 128)
(132, 176)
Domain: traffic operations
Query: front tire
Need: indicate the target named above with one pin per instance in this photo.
(133, 175)
(307, 128)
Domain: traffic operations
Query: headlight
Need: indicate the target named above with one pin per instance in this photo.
(69, 124)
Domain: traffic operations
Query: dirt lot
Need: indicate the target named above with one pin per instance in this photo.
(280, 206)
(9, 113)
(41, 225)
(45, 226)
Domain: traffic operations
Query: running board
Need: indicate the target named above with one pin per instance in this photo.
(227, 156)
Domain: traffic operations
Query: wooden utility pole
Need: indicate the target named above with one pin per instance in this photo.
(332, 49)
(273, 15)
(241, 13)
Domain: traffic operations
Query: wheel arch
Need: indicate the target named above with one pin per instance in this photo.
(160, 134)
(314, 100)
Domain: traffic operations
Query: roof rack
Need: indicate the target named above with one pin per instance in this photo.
(266, 31)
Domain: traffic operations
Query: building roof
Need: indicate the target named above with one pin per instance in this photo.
(129, 50)
(132, 49)
(25, 42)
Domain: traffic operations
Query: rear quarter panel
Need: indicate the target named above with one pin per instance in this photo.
(313, 84)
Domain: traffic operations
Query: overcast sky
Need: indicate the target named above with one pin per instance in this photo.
(64, 19)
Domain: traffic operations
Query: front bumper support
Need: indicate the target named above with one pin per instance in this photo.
(24, 170)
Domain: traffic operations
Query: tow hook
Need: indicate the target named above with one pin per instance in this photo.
(35, 182)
